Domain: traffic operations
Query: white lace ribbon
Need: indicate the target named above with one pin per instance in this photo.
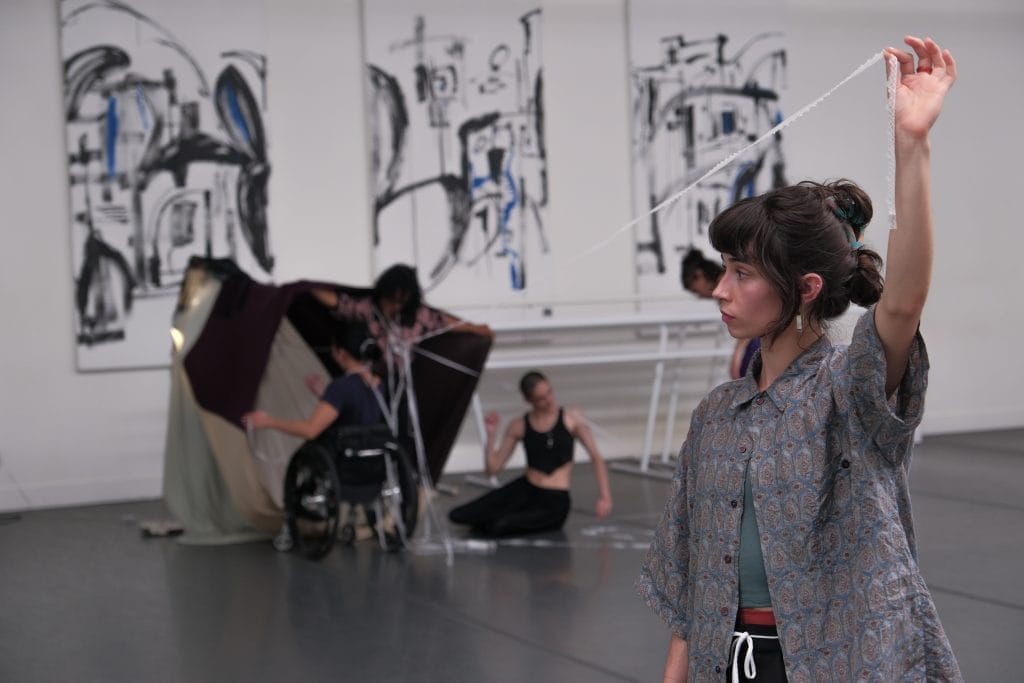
(728, 160)
(891, 83)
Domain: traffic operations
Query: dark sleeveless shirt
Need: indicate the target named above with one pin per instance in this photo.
(547, 451)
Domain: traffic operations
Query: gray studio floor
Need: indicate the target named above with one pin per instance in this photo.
(84, 598)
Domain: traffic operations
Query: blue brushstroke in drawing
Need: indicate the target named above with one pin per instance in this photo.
(744, 183)
(140, 102)
(111, 137)
(513, 200)
(236, 114)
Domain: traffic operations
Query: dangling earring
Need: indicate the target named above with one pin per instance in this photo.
(799, 323)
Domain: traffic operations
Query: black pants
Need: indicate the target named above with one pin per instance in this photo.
(516, 508)
(767, 656)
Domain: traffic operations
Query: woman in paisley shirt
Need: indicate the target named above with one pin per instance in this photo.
(786, 550)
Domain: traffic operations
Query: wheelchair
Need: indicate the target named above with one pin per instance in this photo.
(365, 467)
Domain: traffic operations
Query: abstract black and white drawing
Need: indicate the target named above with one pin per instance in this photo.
(457, 144)
(167, 157)
(707, 80)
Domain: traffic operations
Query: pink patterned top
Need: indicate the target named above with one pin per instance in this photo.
(361, 308)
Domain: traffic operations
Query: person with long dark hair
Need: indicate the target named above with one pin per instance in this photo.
(396, 307)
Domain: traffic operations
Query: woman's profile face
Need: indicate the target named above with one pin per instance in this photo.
(749, 303)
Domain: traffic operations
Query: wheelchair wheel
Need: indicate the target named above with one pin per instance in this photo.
(311, 500)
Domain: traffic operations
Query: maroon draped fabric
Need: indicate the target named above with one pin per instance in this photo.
(227, 361)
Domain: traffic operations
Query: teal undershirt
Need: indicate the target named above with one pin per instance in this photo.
(753, 580)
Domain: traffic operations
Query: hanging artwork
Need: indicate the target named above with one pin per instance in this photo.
(164, 106)
(706, 81)
(458, 163)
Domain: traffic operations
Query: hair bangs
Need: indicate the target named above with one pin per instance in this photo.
(736, 231)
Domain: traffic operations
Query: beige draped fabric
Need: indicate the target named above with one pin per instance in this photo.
(284, 394)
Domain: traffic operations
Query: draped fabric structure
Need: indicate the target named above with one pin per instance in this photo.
(242, 345)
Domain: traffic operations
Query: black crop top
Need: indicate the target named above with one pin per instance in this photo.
(547, 451)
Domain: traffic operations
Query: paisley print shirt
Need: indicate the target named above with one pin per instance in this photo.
(828, 457)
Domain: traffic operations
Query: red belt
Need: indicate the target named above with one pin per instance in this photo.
(756, 617)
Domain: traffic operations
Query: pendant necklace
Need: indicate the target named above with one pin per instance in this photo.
(549, 436)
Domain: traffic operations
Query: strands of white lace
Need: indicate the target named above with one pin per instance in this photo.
(444, 361)
(892, 81)
(728, 160)
(405, 349)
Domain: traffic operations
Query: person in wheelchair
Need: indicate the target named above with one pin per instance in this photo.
(347, 401)
(350, 455)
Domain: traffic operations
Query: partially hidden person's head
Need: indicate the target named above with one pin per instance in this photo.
(698, 274)
(352, 344)
(397, 294)
(804, 242)
(537, 391)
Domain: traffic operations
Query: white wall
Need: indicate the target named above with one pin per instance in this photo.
(973, 316)
(68, 437)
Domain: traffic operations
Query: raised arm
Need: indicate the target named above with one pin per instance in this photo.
(919, 97)
(342, 304)
(577, 424)
(328, 297)
(497, 457)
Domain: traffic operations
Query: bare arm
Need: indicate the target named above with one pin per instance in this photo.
(328, 297)
(310, 428)
(919, 99)
(497, 457)
(340, 303)
(677, 666)
(581, 430)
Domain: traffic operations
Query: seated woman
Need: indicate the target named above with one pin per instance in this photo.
(347, 400)
(699, 276)
(539, 500)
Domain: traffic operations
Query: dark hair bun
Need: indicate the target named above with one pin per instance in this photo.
(865, 283)
(850, 203)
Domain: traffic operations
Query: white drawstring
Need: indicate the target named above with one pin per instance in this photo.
(749, 670)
